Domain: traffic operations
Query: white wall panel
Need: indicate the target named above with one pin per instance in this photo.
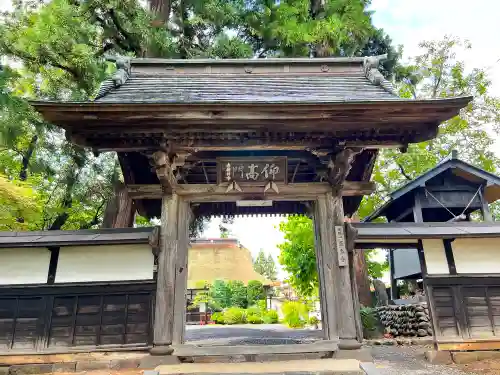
(435, 257)
(24, 266)
(105, 263)
(477, 255)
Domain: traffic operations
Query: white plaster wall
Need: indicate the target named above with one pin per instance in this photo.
(24, 266)
(104, 263)
(435, 257)
(477, 255)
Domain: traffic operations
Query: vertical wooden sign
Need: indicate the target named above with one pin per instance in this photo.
(341, 248)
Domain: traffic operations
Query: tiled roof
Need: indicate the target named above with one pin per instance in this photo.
(361, 81)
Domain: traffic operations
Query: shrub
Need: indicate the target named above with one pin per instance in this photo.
(295, 314)
(313, 320)
(218, 317)
(234, 315)
(254, 310)
(270, 317)
(255, 292)
(369, 320)
(254, 319)
(262, 304)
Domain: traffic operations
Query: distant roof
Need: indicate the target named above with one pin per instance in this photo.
(283, 80)
(460, 168)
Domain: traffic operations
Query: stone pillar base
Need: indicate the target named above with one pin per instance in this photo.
(161, 350)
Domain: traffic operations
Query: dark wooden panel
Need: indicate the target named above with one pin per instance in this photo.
(467, 307)
(86, 316)
(444, 312)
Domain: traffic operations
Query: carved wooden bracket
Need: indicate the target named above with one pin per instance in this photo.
(340, 165)
(162, 163)
(154, 241)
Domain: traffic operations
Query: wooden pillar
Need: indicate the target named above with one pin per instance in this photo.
(181, 278)
(172, 270)
(392, 270)
(334, 279)
(326, 266)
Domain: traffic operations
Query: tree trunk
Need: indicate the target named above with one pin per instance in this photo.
(120, 210)
(161, 8)
(361, 272)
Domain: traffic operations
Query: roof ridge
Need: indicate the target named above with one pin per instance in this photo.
(117, 79)
(370, 67)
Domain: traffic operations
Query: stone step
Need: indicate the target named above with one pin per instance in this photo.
(298, 367)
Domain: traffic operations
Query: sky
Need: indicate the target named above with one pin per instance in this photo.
(408, 22)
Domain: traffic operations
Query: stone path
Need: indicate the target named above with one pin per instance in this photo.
(397, 360)
(262, 334)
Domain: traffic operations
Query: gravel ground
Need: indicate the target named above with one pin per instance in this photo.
(397, 360)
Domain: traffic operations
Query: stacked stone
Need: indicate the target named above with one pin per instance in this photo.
(406, 320)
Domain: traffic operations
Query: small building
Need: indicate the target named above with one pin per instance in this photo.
(450, 192)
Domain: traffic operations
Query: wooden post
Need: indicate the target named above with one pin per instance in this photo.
(346, 319)
(326, 266)
(165, 289)
(418, 216)
(181, 273)
(338, 315)
(485, 208)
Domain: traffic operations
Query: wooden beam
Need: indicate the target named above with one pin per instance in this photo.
(208, 192)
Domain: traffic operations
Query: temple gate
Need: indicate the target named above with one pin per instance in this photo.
(237, 137)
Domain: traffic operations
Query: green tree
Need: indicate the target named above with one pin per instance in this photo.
(238, 292)
(298, 256)
(437, 73)
(221, 293)
(265, 265)
(255, 292)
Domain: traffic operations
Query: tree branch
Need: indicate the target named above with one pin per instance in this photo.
(402, 170)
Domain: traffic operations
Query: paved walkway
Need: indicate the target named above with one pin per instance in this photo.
(244, 334)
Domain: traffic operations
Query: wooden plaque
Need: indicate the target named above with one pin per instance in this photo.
(257, 170)
(341, 248)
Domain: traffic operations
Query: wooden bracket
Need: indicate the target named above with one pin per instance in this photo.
(340, 165)
(350, 233)
(154, 241)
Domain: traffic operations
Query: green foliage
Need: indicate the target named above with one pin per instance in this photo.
(265, 266)
(217, 317)
(262, 304)
(295, 314)
(369, 321)
(255, 292)
(254, 319)
(221, 293)
(234, 315)
(436, 73)
(204, 297)
(298, 256)
(238, 292)
(270, 317)
(313, 320)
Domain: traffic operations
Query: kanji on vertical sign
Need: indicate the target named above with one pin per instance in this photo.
(341, 248)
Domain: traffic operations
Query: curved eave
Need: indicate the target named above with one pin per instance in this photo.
(458, 102)
(286, 116)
